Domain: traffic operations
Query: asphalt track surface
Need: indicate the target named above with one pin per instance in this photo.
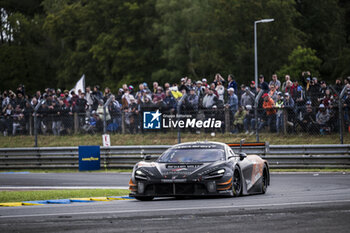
(293, 203)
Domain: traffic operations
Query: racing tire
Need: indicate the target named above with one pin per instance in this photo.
(144, 198)
(264, 181)
(237, 186)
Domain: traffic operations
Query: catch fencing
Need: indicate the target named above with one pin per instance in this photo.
(125, 157)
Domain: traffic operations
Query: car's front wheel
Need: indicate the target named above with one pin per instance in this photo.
(144, 198)
(264, 181)
(237, 182)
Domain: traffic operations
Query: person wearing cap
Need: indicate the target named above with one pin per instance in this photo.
(231, 82)
(204, 82)
(248, 119)
(232, 103)
(262, 84)
(247, 98)
(307, 119)
(199, 89)
(253, 87)
(184, 86)
(210, 99)
(322, 119)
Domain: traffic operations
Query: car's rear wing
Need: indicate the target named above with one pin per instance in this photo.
(259, 148)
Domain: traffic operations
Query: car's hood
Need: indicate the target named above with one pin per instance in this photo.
(179, 170)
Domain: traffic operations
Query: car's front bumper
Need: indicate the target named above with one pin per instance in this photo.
(170, 188)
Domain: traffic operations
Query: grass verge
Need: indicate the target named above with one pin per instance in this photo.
(18, 196)
(169, 138)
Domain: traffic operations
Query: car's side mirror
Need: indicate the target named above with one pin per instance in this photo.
(147, 157)
(242, 156)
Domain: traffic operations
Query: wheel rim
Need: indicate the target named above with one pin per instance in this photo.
(237, 182)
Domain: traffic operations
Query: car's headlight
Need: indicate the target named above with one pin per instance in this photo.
(217, 172)
(140, 175)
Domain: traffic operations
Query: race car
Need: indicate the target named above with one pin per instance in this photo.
(199, 169)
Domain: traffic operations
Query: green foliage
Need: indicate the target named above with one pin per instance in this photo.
(301, 59)
(53, 42)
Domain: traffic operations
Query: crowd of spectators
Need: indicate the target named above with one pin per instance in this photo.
(294, 105)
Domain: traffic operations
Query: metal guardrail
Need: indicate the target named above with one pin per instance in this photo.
(279, 156)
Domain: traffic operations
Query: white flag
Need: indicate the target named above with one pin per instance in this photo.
(80, 85)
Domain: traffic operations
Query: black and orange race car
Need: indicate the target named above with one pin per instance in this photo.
(199, 169)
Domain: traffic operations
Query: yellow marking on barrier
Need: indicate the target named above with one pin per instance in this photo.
(81, 199)
(90, 159)
(27, 203)
(11, 204)
(99, 199)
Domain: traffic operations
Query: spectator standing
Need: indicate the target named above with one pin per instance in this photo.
(232, 103)
(322, 118)
(220, 89)
(279, 114)
(247, 98)
(232, 83)
(286, 78)
(270, 111)
(218, 78)
(275, 82)
(262, 84)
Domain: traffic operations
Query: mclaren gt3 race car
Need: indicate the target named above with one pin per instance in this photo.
(199, 169)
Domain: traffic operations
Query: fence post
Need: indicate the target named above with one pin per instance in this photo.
(123, 122)
(178, 113)
(227, 120)
(341, 115)
(76, 123)
(285, 118)
(256, 113)
(36, 122)
(30, 125)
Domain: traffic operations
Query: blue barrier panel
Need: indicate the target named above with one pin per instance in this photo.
(36, 202)
(59, 201)
(89, 158)
(81, 200)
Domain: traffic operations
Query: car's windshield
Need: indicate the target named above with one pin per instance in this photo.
(191, 155)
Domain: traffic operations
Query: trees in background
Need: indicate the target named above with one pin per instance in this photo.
(51, 43)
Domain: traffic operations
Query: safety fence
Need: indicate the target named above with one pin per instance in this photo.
(314, 116)
(311, 120)
(278, 156)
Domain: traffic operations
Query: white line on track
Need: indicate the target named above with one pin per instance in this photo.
(60, 187)
(177, 209)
